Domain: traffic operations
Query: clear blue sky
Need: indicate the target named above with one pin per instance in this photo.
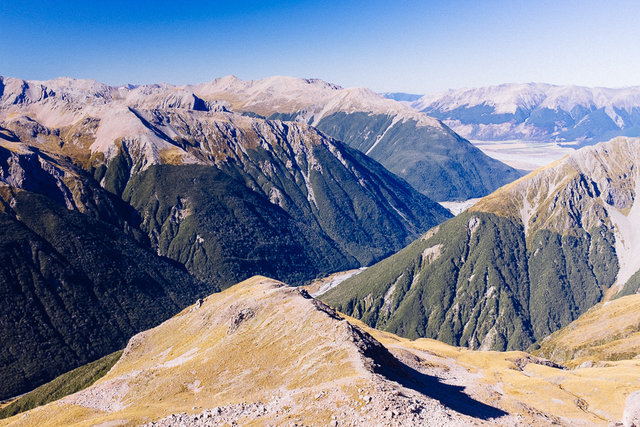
(385, 45)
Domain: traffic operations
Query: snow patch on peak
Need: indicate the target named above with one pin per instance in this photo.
(311, 99)
(505, 98)
(535, 110)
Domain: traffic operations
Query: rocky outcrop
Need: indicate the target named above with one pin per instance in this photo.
(631, 415)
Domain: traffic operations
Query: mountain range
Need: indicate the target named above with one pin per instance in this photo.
(520, 264)
(140, 223)
(418, 148)
(96, 179)
(537, 112)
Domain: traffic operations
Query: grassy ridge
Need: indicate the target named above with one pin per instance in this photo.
(64, 385)
(608, 331)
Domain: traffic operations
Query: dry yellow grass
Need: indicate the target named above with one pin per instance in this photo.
(261, 341)
(608, 331)
(593, 396)
(199, 359)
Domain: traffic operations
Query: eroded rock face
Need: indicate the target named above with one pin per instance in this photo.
(631, 415)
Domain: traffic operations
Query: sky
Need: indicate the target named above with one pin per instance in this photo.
(409, 46)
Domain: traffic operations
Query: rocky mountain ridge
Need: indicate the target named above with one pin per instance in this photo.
(290, 167)
(261, 352)
(418, 148)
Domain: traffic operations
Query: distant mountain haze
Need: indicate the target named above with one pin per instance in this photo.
(537, 112)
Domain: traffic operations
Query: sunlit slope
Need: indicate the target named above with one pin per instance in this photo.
(263, 353)
(608, 331)
(261, 345)
(520, 264)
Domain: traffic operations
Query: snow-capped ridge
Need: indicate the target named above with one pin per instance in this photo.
(311, 99)
(537, 111)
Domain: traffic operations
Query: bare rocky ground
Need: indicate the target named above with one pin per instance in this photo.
(386, 405)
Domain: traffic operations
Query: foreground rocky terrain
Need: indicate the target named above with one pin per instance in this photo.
(262, 353)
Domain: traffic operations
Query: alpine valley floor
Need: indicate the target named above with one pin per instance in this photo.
(263, 353)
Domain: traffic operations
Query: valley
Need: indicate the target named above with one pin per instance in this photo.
(524, 155)
(454, 291)
(331, 214)
(130, 213)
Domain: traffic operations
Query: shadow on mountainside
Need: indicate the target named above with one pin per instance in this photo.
(388, 365)
(451, 396)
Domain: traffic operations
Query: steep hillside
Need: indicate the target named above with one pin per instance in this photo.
(537, 112)
(431, 157)
(229, 196)
(263, 353)
(259, 352)
(74, 289)
(520, 264)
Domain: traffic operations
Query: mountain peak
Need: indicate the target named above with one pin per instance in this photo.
(524, 261)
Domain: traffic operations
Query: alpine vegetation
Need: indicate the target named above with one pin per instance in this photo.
(520, 264)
